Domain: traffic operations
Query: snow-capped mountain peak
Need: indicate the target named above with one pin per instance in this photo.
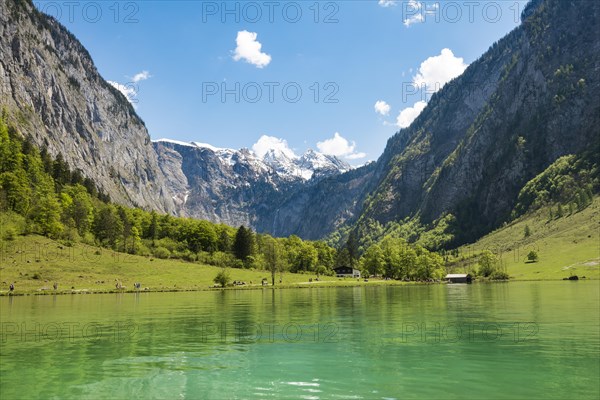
(282, 161)
(208, 146)
(318, 161)
(194, 144)
(305, 166)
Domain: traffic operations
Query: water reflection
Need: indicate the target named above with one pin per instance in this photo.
(362, 342)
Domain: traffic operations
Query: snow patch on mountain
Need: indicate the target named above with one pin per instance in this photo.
(175, 142)
(277, 159)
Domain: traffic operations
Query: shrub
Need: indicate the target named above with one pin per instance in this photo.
(323, 270)
(186, 255)
(89, 239)
(143, 250)
(190, 256)
(222, 278)
(221, 259)
(162, 252)
(10, 234)
(170, 244)
(533, 256)
(70, 235)
(487, 263)
(256, 261)
(499, 276)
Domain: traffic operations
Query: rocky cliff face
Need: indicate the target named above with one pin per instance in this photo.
(274, 193)
(530, 99)
(314, 211)
(48, 81)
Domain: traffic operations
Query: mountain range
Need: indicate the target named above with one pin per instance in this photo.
(530, 99)
(239, 186)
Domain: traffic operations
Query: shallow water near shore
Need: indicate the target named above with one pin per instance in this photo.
(507, 340)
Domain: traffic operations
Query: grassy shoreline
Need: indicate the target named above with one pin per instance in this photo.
(301, 285)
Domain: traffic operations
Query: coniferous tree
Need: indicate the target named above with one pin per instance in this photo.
(243, 246)
(224, 240)
(108, 227)
(60, 170)
(153, 228)
(352, 248)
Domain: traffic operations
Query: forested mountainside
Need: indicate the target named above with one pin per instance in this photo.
(532, 98)
(54, 93)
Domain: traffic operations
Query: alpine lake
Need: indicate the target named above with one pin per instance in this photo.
(530, 340)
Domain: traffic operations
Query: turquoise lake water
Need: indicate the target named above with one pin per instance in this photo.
(496, 341)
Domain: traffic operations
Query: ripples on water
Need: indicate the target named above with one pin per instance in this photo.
(524, 340)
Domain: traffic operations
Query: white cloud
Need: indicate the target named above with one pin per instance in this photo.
(432, 75)
(414, 19)
(340, 147)
(248, 49)
(266, 143)
(436, 71)
(381, 107)
(355, 156)
(415, 11)
(129, 91)
(409, 114)
(142, 76)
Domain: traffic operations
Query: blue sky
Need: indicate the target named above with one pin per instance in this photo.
(175, 58)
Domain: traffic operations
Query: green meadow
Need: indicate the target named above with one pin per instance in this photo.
(566, 246)
(34, 263)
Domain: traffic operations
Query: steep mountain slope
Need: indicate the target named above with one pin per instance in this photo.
(530, 99)
(317, 210)
(49, 82)
(272, 193)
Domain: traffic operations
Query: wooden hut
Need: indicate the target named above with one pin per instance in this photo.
(458, 278)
